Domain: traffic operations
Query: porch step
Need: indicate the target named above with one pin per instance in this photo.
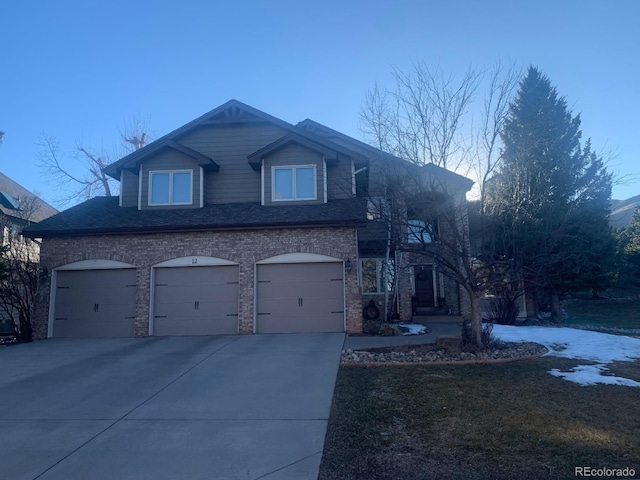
(436, 319)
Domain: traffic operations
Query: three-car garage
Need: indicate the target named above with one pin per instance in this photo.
(292, 293)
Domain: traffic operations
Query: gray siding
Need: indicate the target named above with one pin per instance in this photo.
(294, 155)
(129, 188)
(171, 160)
(229, 147)
(339, 180)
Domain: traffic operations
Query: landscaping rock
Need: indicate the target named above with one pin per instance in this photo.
(438, 353)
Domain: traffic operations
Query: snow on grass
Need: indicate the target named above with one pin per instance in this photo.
(602, 348)
(591, 375)
(412, 328)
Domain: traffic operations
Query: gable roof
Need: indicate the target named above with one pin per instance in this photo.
(429, 168)
(291, 138)
(103, 216)
(232, 112)
(12, 194)
(157, 147)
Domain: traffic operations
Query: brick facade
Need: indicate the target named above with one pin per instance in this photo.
(244, 247)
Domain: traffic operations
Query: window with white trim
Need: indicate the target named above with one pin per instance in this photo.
(171, 187)
(376, 275)
(293, 183)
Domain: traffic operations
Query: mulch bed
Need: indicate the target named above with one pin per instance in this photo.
(437, 355)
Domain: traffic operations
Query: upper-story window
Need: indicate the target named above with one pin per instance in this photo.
(294, 183)
(419, 231)
(170, 187)
(377, 209)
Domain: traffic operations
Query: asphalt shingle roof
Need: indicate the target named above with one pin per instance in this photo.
(16, 192)
(103, 216)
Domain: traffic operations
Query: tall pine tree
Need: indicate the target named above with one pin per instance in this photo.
(629, 240)
(551, 196)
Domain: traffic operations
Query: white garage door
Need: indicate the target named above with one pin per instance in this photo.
(95, 303)
(200, 300)
(300, 298)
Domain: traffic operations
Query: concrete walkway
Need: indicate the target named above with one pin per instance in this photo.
(226, 407)
(436, 330)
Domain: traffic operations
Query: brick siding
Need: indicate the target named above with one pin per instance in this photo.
(246, 248)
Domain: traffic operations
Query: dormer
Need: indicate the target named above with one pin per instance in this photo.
(296, 170)
(169, 175)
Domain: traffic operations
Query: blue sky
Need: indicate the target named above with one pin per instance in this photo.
(81, 70)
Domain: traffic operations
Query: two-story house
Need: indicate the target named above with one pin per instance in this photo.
(237, 222)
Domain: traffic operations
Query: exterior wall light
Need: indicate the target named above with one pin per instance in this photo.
(348, 266)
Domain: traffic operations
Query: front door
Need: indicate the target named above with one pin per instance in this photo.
(424, 294)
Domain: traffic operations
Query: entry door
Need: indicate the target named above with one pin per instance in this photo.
(95, 303)
(196, 300)
(300, 298)
(424, 286)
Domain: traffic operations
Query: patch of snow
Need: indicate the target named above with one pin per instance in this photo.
(412, 328)
(591, 375)
(602, 348)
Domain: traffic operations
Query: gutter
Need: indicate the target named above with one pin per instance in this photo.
(203, 228)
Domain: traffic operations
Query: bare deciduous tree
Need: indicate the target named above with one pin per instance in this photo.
(19, 269)
(485, 158)
(89, 181)
(421, 121)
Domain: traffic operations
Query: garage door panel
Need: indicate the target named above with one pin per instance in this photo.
(325, 305)
(196, 326)
(303, 288)
(303, 297)
(198, 309)
(301, 270)
(295, 324)
(95, 303)
(69, 328)
(194, 292)
(199, 300)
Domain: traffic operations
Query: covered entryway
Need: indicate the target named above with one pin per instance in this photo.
(195, 300)
(94, 303)
(301, 297)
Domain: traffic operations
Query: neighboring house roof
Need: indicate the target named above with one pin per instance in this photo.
(103, 216)
(231, 112)
(622, 211)
(13, 195)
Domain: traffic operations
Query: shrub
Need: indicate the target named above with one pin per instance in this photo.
(504, 309)
(488, 340)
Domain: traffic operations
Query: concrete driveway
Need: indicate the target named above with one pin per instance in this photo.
(226, 407)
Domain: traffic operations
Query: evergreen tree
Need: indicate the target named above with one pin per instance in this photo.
(630, 246)
(551, 196)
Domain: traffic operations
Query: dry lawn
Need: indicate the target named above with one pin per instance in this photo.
(507, 421)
